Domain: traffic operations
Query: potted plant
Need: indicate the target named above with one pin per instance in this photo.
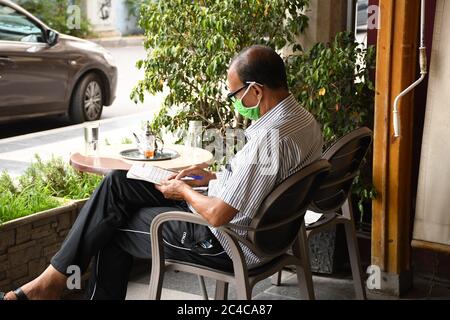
(36, 213)
(190, 44)
(334, 82)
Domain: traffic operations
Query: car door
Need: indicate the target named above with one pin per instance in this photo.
(33, 75)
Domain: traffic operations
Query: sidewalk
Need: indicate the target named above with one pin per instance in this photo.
(17, 153)
(113, 42)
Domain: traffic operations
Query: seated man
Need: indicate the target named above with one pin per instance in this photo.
(113, 226)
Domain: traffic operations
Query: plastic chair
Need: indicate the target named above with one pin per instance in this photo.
(277, 227)
(345, 157)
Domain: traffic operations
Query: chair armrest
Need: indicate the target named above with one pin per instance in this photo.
(177, 216)
(157, 247)
(160, 219)
(232, 237)
(266, 227)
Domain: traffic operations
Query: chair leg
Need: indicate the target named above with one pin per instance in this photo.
(221, 290)
(201, 281)
(276, 278)
(156, 282)
(304, 275)
(243, 290)
(353, 252)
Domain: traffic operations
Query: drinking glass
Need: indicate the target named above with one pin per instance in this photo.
(91, 141)
(193, 141)
(147, 146)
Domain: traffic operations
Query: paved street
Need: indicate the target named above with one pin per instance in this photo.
(53, 135)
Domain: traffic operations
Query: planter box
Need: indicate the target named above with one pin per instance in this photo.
(27, 244)
(322, 248)
(328, 252)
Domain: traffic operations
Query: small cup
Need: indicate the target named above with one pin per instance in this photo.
(91, 139)
(147, 147)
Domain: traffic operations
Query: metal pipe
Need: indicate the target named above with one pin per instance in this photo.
(422, 24)
(350, 24)
(423, 71)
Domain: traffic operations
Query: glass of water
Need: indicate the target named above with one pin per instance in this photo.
(91, 141)
(193, 141)
(194, 135)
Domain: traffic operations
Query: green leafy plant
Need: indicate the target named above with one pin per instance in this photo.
(60, 179)
(17, 202)
(190, 44)
(54, 13)
(333, 82)
(41, 187)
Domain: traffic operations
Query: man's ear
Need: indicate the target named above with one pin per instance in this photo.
(258, 90)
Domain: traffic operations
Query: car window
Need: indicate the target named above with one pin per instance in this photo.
(15, 26)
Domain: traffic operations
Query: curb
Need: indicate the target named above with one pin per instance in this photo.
(119, 41)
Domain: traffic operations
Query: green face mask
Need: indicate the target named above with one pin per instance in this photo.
(252, 113)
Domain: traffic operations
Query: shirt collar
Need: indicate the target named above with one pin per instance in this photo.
(267, 120)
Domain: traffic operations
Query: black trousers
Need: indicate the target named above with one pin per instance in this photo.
(113, 227)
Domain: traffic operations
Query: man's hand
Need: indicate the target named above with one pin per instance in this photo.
(214, 210)
(172, 189)
(195, 171)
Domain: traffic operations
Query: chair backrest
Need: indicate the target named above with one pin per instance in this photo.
(345, 157)
(281, 214)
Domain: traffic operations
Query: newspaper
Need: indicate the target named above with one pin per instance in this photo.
(148, 173)
(156, 175)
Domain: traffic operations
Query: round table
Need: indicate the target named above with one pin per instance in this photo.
(109, 159)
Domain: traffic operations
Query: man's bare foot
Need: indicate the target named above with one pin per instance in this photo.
(48, 286)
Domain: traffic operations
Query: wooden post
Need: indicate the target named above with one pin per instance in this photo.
(396, 69)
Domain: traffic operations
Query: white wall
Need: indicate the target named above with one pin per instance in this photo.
(432, 222)
(117, 23)
(101, 19)
(126, 25)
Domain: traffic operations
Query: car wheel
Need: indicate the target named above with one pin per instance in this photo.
(87, 101)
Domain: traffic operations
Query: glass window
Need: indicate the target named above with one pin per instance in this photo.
(15, 26)
(361, 20)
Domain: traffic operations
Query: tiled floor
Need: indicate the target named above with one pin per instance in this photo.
(180, 286)
(184, 286)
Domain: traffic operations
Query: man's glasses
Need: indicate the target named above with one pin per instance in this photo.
(231, 96)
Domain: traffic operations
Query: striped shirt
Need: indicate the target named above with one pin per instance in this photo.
(279, 144)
